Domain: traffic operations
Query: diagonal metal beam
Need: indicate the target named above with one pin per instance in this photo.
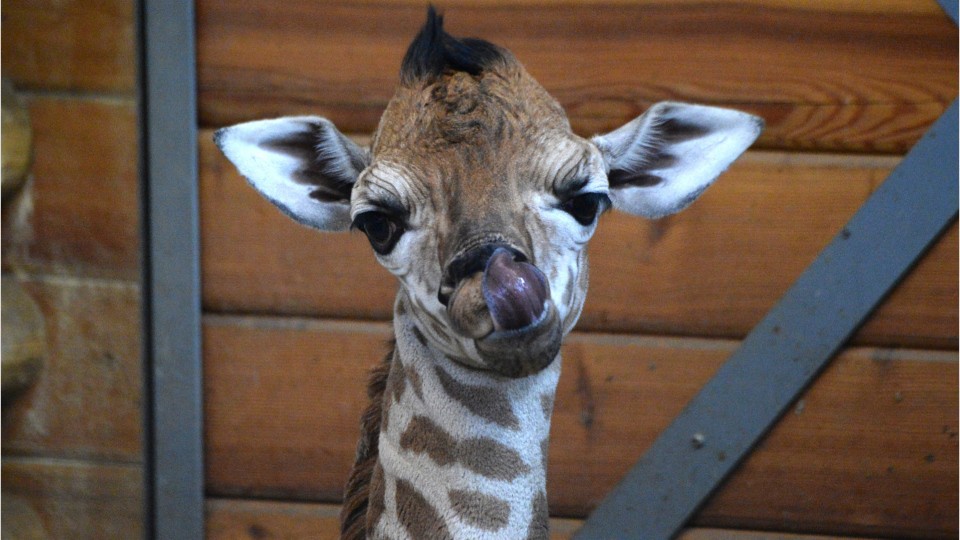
(949, 6)
(783, 354)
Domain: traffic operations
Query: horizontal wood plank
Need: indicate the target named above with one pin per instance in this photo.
(45, 498)
(234, 519)
(79, 215)
(86, 401)
(870, 449)
(844, 6)
(845, 76)
(713, 270)
(77, 45)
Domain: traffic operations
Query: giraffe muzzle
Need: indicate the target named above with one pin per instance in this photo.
(506, 309)
(493, 288)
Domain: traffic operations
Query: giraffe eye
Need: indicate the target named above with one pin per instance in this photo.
(383, 231)
(585, 207)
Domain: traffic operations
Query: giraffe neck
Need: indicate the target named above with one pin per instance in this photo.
(462, 453)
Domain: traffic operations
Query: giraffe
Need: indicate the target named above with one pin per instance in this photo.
(478, 197)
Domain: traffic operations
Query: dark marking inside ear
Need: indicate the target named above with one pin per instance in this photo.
(660, 160)
(672, 130)
(620, 178)
(300, 145)
(357, 160)
(325, 170)
(325, 195)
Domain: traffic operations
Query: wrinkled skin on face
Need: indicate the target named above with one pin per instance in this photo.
(482, 184)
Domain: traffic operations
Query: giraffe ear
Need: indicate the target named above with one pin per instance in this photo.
(660, 162)
(303, 165)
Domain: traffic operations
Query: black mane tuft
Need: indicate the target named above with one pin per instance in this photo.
(433, 51)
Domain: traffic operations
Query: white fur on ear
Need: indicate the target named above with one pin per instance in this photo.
(303, 165)
(660, 162)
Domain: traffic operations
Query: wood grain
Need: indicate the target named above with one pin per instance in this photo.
(85, 403)
(712, 270)
(75, 499)
(79, 215)
(845, 76)
(234, 519)
(75, 45)
(843, 6)
(871, 449)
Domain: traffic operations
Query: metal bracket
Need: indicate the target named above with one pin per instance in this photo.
(783, 354)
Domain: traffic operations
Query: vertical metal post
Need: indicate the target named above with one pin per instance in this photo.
(171, 272)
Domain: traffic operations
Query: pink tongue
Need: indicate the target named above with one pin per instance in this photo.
(515, 292)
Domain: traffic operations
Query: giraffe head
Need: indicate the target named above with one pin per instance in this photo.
(477, 195)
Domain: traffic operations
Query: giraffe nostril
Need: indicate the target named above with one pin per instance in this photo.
(443, 295)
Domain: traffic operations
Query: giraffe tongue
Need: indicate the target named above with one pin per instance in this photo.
(515, 292)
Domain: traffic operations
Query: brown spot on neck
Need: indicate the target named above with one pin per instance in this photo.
(413, 378)
(544, 452)
(492, 459)
(397, 381)
(486, 402)
(480, 510)
(546, 405)
(425, 436)
(482, 455)
(417, 515)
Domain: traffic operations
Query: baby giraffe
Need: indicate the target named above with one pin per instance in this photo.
(477, 196)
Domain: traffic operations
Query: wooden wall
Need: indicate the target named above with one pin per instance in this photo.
(295, 318)
(72, 457)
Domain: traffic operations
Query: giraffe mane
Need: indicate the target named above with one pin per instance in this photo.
(433, 51)
(353, 514)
